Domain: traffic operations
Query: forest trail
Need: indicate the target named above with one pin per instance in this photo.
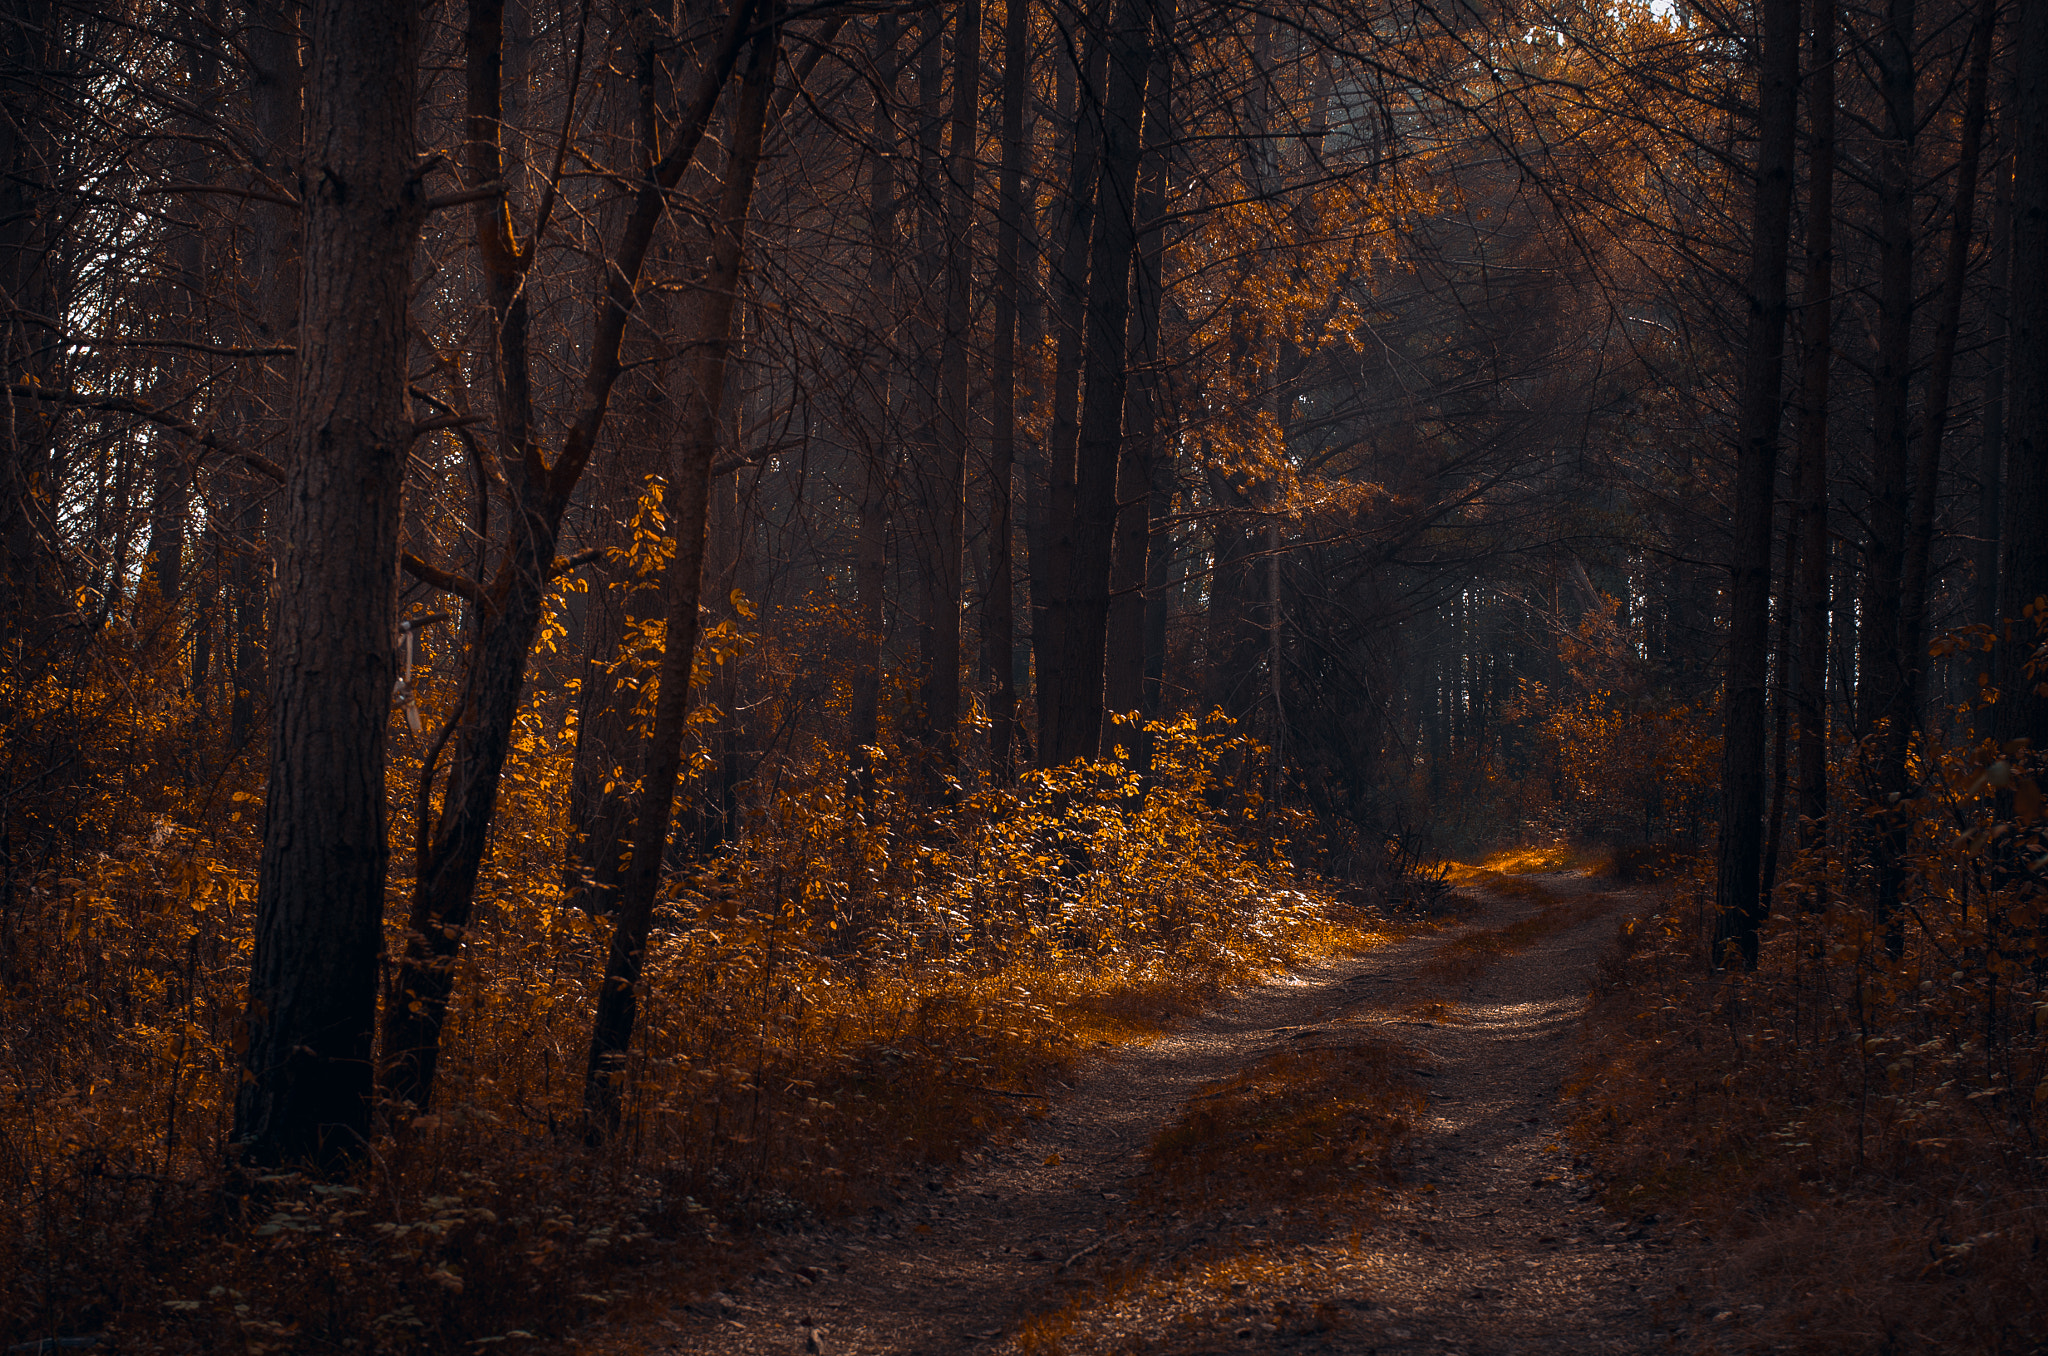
(1488, 1241)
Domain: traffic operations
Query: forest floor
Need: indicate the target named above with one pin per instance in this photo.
(1185, 1197)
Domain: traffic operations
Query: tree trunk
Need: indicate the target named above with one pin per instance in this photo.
(268, 297)
(2022, 711)
(1781, 731)
(33, 591)
(1738, 903)
(1991, 444)
(1817, 323)
(1052, 555)
(320, 886)
(1234, 638)
(710, 337)
(508, 610)
(871, 540)
(1131, 581)
(1913, 600)
(601, 764)
(999, 617)
(1880, 667)
(925, 376)
(1072, 693)
(949, 481)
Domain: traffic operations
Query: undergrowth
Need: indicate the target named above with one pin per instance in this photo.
(851, 992)
(1859, 1123)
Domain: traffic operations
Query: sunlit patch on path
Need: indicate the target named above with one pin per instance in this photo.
(1363, 1158)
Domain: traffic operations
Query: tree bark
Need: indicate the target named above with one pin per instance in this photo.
(1052, 557)
(268, 298)
(1991, 443)
(1738, 902)
(871, 542)
(1234, 638)
(1781, 729)
(32, 586)
(452, 844)
(2022, 711)
(1913, 599)
(312, 1004)
(999, 616)
(1072, 690)
(924, 382)
(710, 340)
(1138, 506)
(949, 481)
(1817, 358)
(1881, 661)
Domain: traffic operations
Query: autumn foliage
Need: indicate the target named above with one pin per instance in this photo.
(845, 996)
(1860, 1119)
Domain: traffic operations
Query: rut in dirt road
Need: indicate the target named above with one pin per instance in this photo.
(1479, 1237)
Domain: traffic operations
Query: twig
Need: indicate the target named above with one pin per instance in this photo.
(1084, 1252)
(461, 196)
(122, 405)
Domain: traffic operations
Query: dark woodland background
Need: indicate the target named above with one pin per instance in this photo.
(607, 608)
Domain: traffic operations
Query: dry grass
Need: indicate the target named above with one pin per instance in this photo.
(1520, 861)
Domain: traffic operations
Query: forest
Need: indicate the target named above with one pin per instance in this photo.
(627, 626)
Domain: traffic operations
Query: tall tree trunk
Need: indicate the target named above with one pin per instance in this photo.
(163, 560)
(949, 481)
(1914, 601)
(1880, 667)
(1072, 691)
(1233, 638)
(871, 541)
(999, 617)
(601, 766)
(320, 885)
(1738, 902)
(710, 335)
(1991, 444)
(268, 298)
(924, 394)
(32, 587)
(1052, 555)
(2022, 711)
(1159, 584)
(1131, 579)
(1781, 728)
(1816, 360)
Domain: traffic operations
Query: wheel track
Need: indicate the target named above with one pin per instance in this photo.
(1491, 1245)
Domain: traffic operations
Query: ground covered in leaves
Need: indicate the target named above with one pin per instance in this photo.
(1363, 1156)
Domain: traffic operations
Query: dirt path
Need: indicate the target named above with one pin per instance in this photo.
(1490, 1244)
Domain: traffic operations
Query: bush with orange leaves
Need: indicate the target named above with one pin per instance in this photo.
(847, 993)
(1605, 756)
